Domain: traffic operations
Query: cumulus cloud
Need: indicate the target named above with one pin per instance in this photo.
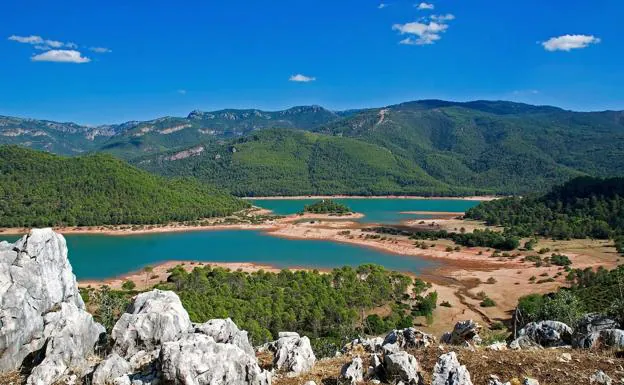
(61, 56)
(569, 42)
(301, 78)
(425, 6)
(424, 32)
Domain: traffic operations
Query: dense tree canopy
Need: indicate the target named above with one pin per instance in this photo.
(583, 207)
(326, 206)
(40, 189)
(312, 303)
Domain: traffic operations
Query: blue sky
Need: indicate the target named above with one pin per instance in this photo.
(104, 62)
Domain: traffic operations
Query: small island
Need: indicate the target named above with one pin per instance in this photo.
(327, 206)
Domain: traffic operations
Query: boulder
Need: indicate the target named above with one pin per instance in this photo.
(41, 311)
(226, 331)
(448, 371)
(371, 345)
(600, 378)
(548, 333)
(293, 353)
(409, 338)
(199, 360)
(464, 331)
(610, 338)
(524, 343)
(530, 381)
(402, 367)
(154, 317)
(111, 371)
(353, 372)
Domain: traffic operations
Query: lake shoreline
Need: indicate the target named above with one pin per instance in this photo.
(415, 197)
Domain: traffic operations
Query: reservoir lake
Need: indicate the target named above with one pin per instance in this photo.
(95, 256)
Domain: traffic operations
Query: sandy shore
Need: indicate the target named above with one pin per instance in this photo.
(466, 198)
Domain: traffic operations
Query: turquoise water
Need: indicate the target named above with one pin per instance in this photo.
(102, 256)
(374, 210)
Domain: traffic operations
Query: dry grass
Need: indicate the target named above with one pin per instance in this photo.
(11, 378)
(544, 365)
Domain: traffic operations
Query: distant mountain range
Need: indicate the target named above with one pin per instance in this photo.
(422, 147)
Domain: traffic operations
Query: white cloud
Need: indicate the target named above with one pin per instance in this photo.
(382, 5)
(57, 51)
(27, 39)
(100, 49)
(61, 56)
(425, 32)
(425, 6)
(443, 18)
(182, 92)
(301, 78)
(569, 42)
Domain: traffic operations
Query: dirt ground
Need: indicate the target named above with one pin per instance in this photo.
(546, 366)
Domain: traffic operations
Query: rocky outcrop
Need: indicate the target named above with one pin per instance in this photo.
(226, 331)
(293, 354)
(198, 359)
(111, 371)
(448, 371)
(548, 333)
(154, 317)
(409, 338)
(353, 372)
(595, 331)
(402, 367)
(464, 332)
(156, 341)
(41, 311)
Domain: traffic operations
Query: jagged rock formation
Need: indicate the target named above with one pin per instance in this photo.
(448, 371)
(464, 332)
(409, 338)
(353, 372)
(293, 354)
(595, 330)
(548, 333)
(155, 340)
(402, 367)
(41, 312)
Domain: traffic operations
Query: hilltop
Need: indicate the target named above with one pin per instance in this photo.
(42, 189)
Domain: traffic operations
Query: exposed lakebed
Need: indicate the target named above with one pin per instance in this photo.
(95, 256)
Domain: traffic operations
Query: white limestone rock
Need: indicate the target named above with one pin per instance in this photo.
(409, 338)
(155, 317)
(226, 331)
(293, 353)
(197, 359)
(402, 367)
(448, 371)
(353, 372)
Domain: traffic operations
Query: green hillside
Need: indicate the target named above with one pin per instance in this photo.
(41, 189)
(290, 162)
(423, 147)
(581, 208)
(503, 146)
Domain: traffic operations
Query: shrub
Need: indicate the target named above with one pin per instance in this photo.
(128, 285)
(487, 302)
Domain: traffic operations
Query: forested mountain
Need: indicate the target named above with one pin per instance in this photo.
(507, 147)
(40, 189)
(132, 139)
(423, 147)
(291, 162)
(583, 207)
